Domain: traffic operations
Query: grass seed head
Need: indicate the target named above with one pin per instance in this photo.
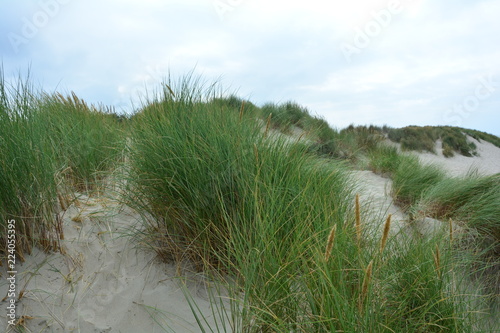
(385, 235)
(329, 244)
(358, 221)
(366, 283)
(242, 108)
(450, 223)
(268, 124)
(437, 261)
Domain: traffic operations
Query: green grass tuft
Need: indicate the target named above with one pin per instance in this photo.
(251, 206)
(49, 147)
(411, 179)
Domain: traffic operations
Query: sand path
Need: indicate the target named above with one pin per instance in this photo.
(103, 283)
(374, 194)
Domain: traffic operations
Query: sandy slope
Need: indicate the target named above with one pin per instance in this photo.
(102, 284)
(374, 193)
(375, 190)
(487, 163)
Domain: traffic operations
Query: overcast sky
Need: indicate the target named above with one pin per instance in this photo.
(400, 62)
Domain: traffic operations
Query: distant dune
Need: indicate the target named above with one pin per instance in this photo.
(486, 163)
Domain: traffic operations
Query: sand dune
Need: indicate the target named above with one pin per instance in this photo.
(487, 163)
(103, 283)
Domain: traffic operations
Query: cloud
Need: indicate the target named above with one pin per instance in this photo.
(425, 58)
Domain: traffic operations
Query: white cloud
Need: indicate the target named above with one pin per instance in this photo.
(428, 57)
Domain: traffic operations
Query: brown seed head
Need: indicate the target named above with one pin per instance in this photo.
(268, 124)
(366, 283)
(437, 261)
(329, 243)
(358, 220)
(451, 230)
(385, 235)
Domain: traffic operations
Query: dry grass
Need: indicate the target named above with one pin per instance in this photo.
(358, 221)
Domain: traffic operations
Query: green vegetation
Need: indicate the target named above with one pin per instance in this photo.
(233, 103)
(49, 147)
(411, 179)
(89, 140)
(384, 159)
(285, 115)
(424, 139)
(478, 135)
(272, 218)
(275, 225)
(27, 170)
(193, 164)
(474, 202)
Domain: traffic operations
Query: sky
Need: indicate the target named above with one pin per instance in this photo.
(393, 62)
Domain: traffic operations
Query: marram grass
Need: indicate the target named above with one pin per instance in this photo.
(247, 206)
(27, 187)
(255, 210)
(385, 233)
(50, 146)
(329, 243)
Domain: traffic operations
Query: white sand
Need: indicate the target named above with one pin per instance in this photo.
(487, 163)
(376, 201)
(103, 284)
(375, 190)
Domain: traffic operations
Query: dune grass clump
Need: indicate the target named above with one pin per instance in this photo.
(384, 159)
(458, 197)
(351, 143)
(474, 201)
(194, 166)
(326, 139)
(89, 140)
(28, 191)
(367, 138)
(415, 138)
(236, 104)
(411, 179)
(50, 145)
(284, 116)
(278, 227)
(478, 135)
(454, 140)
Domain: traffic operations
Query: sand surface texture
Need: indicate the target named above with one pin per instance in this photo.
(103, 283)
(487, 163)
